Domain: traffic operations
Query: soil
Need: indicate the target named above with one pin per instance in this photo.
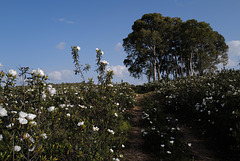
(134, 152)
(198, 146)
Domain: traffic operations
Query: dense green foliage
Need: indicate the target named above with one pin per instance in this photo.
(162, 46)
(85, 121)
(209, 104)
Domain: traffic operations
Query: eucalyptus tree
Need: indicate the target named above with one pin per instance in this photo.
(161, 45)
(146, 45)
(203, 48)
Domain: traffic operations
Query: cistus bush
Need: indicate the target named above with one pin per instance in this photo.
(82, 121)
(209, 103)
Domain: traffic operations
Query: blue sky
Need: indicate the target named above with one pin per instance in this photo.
(39, 34)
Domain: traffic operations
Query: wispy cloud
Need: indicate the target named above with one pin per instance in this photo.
(62, 75)
(118, 46)
(63, 20)
(233, 54)
(61, 46)
(119, 70)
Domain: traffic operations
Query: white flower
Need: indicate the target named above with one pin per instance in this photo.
(30, 138)
(104, 62)
(110, 85)
(95, 128)
(1, 137)
(44, 135)
(32, 148)
(14, 112)
(123, 146)
(22, 120)
(23, 114)
(50, 109)
(33, 72)
(111, 150)
(111, 131)
(189, 144)
(40, 72)
(10, 125)
(44, 96)
(97, 49)
(3, 111)
(33, 123)
(171, 141)
(169, 152)
(68, 114)
(51, 90)
(162, 145)
(31, 116)
(116, 114)
(17, 148)
(78, 48)
(12, 72)
(102, 52)
(121, 156)
(80, 123)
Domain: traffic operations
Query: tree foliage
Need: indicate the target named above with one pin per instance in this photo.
(163, 46)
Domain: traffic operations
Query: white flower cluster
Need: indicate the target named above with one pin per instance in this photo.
(80, 123)
(38, 72)
(104, 62)
(3, 111)
(95, 128)
(23, 115)
(111, 131)
(51, 108)
(51, 90)
(12, 72)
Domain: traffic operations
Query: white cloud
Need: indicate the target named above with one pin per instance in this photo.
(63, 20)
(233, 54)
(61, 46)
(118, 46)
(234, 47)
(62, 75)
(119, 70)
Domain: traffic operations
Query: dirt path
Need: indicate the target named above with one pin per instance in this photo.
(134, 152)
(198, 146)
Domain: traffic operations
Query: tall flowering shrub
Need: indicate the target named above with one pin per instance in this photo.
(40, 121)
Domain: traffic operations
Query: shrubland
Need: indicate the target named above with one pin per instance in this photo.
(208, 104)
(82, 121)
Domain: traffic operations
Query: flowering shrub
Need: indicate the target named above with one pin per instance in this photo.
(209, 103)
(161, 133)
(84, 121)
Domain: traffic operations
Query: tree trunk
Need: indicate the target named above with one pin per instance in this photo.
(191, 65)
(159, 72)
(181, 66)
(154, 65)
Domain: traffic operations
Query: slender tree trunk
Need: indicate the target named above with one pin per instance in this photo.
(159, 72)
(181, 66)
(191, 65)
(154, 65)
